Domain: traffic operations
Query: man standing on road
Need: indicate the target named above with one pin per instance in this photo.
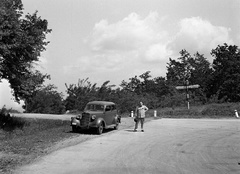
(140, 115)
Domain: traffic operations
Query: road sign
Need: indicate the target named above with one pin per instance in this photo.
(193, 86)
(181, 87)
(189, 87)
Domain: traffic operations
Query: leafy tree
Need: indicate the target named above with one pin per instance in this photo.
(201, 74)
(45, 100)
(105, 91)
(201, 69)
(29, 85)
(80, 94)
(133, 86)
(192, 70)
(140, 85)
(146, 89)
(225, 81)
(21, 42)
(126, 100)
(161, 87)
(179, 71)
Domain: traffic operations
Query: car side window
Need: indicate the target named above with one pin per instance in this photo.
(108, 108)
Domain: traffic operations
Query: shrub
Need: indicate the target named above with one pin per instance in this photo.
(216, 110)
(223, 109)
(9, 122)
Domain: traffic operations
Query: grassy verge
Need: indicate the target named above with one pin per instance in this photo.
(216, 111)
(21, 145)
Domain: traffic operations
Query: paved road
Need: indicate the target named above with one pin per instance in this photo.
(168, 146)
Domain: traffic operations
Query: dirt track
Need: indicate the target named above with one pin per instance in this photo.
(167, 146)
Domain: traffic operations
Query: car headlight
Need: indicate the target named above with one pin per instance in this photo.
(93, 117)
(79, 116)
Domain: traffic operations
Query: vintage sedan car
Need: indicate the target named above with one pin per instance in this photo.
(98, 115)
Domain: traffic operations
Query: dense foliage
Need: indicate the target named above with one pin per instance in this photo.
(45, 100)
(225, 79)
(21, 42)
(218, 82)
(8, 122)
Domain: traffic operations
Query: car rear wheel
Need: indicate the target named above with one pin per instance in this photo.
(100, 129)
(116, 126)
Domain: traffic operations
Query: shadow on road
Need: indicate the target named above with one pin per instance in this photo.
(90, 131)
(129, 130)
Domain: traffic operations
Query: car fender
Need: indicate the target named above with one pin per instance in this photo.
(117, 118)
(99, 121)
(75, 122)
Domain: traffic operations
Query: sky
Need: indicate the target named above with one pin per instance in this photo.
(117, 39)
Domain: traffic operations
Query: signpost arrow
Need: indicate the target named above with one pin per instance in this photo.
(190, 86)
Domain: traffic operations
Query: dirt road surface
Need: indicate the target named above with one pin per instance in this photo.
(169, 146)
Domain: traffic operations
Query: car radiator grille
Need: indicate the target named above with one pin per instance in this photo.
(85, 119)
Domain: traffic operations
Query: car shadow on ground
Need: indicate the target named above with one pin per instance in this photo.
(90, 131)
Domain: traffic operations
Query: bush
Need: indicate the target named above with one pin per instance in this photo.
(224, 110)
(9, 122)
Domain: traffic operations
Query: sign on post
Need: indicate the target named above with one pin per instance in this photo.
(188, 87)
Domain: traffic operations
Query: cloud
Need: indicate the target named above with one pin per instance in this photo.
(136, 43)
(200, 35)
(133, 41)
(156, 52)
(131, 34)
(125, 35)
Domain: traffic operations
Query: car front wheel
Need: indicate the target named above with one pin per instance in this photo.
(100, 129)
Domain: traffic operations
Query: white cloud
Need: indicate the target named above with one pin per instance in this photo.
(157, 52)
(130, 34)
(136, 44)
(200, 35)
(130, 42)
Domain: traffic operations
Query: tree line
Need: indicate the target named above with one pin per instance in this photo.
(219, 82)
(22, 39)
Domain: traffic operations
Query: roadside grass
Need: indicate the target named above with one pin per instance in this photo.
(21, 145)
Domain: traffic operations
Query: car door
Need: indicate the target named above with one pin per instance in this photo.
(114, 113)
(108, 115)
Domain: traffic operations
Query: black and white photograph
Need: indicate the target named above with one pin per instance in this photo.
(119, 86)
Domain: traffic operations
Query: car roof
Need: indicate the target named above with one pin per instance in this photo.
(101, 102)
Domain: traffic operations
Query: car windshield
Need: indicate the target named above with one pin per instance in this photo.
(94, 107)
